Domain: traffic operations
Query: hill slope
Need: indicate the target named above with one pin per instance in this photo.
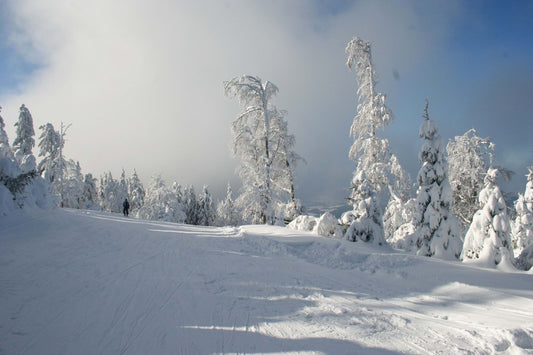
(78, 282)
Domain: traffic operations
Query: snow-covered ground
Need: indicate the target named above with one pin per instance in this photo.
(79, 282)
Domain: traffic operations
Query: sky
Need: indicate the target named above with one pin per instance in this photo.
(141, 81)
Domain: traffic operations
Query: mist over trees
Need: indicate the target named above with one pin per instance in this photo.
(457, 212)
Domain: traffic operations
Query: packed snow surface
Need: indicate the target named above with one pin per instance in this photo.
(79, 282)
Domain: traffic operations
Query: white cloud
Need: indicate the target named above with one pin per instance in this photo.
(141, 81)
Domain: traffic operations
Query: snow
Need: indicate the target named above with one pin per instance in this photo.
(87, 282)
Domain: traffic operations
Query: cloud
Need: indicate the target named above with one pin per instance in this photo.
(141, 81)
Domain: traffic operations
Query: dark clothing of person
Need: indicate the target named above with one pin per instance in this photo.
(126, 206)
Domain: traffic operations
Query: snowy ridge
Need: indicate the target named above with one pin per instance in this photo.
(90, 282)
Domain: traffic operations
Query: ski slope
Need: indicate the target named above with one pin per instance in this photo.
(80, 282)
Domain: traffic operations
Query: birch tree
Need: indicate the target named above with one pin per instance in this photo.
(262, 143)
(469, 157)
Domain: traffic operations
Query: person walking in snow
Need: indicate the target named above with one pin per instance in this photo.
(126, 206)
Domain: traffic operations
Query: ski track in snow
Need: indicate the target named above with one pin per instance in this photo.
(80, 282)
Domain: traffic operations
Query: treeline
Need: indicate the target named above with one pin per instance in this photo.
(454, 210)
(457, 210)
(59, 181)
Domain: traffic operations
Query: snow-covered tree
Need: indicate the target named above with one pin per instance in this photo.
(372, 154)
(156, 203)
(111, 196)
(28, 188)
(262, 142)
(5, 148)
(73, 185)
(190, 205)
(365, 222)
(206, 210)
(89, 193)
(437, 230)
(176, 203)
(524, 261)
(123, 185)
(63, 174)
(24, 141)
(285, 173)
(469, 157)
(227, 213)
(488, 239)
(51, 166)
(136, 192)
(522, 226)
(9, 170)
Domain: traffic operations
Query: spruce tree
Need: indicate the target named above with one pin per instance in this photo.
(135, 192)
(206, 210)
(488, 239)
(437, 230)
(522, 226)
(24, 141)
(227, 213)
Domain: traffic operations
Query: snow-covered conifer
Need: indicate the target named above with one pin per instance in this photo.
(366, 225)
(190, 205)
(156, 203)
(488, 239)
(206, 209)
(175, 203)
(8, 170)
(437, 230)
(73, 185)
(52, 165)
(373, 155)
(522, 226)
(227, 213)
(24, 141)
(469, 157)
(89, 193)
(262, 142)
(136, 192)
(123, 185)
(5, 148)
(111, 196)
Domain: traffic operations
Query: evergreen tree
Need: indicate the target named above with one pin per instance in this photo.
(5, 148)
(176, 203)
(469, 157)
(437, 230)
(366, 223)
(373, 154)
(9, 170)
(24, 141)
(522, 227)
(206, 210)
(89, 193)
(136, 192)
(488, 240)
(227, 213)
(111, 197)
(156, 203)
(52, 165)
(72, 196)
(190, 205)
